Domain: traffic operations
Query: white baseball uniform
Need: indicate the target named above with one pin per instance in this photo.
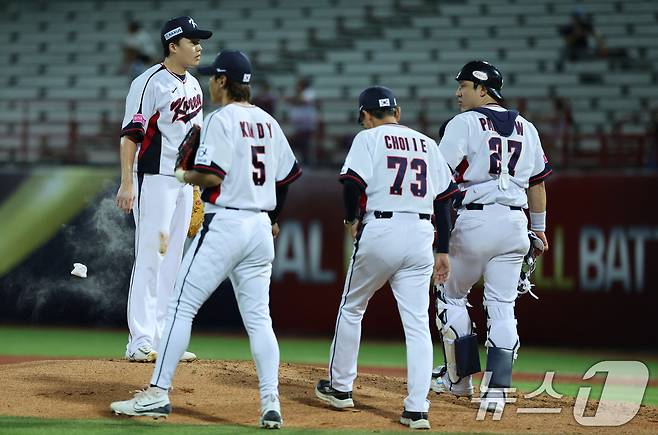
(246, 147)
(160, 108)
(401, 172)
(490, 234)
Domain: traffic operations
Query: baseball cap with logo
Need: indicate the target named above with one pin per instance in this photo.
(376, 97)
(233, 64)
(184, 27)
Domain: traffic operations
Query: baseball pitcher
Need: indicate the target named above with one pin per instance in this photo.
(161, 106)
(402, 178)
(500, 166)
(244, 152)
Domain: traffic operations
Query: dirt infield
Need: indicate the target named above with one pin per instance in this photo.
(225, 392)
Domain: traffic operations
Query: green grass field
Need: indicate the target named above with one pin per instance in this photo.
(61, 342)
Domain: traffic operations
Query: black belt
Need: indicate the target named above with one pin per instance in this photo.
(389, 214)
(239, 209)
(476, 206)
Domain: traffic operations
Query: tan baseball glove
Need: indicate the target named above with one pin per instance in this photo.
(197, 214)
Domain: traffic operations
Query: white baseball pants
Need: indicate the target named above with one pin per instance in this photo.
(162, 212)
(236, 244)
(492, 243)
(397, 250)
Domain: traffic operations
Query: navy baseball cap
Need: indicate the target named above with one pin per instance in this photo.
(233, 64)
(182, 26)
(376, 97)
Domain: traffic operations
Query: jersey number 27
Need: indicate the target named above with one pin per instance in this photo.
(495, 149)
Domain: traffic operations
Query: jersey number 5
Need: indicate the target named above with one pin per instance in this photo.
(417, 165)
(259, 174)
(495, 149)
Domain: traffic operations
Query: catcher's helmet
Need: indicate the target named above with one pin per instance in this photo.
(485, 74)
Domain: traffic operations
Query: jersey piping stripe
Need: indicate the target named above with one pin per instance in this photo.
(140, 181)
(445, 195)
(542, 175)
(141, 100)
(352, 175)
(213, 169)
(294, 174)
(340, 310)
(150, 133)
(206, 225)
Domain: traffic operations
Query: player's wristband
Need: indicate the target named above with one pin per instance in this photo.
(538, 221)
(180, 175)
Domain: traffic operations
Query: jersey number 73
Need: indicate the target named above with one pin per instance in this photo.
(418, 165)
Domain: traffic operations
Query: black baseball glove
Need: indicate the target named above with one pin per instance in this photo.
(188, 148)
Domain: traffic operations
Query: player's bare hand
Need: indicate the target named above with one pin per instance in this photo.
(441, 268)
(275, 230)
(542, 236)
(125, 197)
(354, 229)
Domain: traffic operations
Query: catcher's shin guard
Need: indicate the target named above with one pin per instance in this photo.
(460, 346)
(499, 363)
(502, 344)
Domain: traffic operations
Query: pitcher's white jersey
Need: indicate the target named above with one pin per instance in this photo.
(246, 147)
(400, 169)
(474, 150)
(160, 109)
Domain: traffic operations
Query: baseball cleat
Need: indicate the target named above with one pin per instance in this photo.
(270, 415)
(188, 357)
(493, 400)
(338, 399)
(441, 383)
(142, 355)
(152, 402)
(415, 420)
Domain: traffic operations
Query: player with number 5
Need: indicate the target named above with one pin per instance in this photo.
(500, 166)
(244, 152)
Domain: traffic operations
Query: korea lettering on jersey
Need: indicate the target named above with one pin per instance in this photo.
(474, 150)
(160, 109)
(246, 147)
(400, 170)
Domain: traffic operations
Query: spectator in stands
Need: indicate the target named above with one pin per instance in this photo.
(139, 51)
(303, 116)
(577, 35)
(561, 129)
(264, 98)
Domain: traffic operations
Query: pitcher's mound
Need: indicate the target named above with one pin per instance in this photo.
(226, 392)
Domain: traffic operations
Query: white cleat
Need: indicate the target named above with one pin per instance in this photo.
(270, 414)
(441, 383)
(152, 402)
(188, 357)
(143, 354)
